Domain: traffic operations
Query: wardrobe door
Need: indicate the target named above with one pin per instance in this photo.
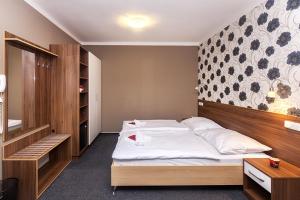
(94, 97)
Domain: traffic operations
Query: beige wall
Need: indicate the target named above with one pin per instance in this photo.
(19, 18)
(146, 83)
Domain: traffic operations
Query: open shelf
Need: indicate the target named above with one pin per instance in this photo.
(253, 194)
(48, 173)
(84, 114)
(255, 191)
(84, 72)
(85, 84)
(84, 56)
(83, 64)
(59, 158)
(26, 44)
(84, 100)
(83, 106)
(83, 121)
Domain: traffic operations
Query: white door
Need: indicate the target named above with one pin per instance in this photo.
(94, 97)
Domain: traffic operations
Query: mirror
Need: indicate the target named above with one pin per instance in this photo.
(20, 90)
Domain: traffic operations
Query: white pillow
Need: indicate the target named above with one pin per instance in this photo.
(200, 123)
(231, 142)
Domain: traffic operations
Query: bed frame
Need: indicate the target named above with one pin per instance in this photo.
(265, 127)
(175, 175)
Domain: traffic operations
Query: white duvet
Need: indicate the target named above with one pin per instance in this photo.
(170, 145)
(154, 125)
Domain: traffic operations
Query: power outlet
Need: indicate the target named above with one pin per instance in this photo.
(292, 125)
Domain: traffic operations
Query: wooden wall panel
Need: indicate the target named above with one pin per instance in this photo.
(42, 90)
(65, 92)
(267, 128)
(28, 65)
(25, 171)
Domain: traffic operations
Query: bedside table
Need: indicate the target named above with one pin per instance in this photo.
(262, 182)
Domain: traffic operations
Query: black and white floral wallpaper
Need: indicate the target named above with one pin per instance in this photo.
(260, 51)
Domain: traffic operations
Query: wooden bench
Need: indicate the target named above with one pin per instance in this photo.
(32, 167)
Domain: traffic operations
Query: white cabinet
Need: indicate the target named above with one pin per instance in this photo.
(94, 97)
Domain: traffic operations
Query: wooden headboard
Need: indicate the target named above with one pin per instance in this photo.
(267, 128)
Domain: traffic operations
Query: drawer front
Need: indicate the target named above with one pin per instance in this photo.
(258, 176)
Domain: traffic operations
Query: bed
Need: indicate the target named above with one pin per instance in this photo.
(209, 170)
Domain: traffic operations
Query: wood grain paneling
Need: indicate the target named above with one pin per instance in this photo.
(25, 171)
(267, 128)
(175, 175)
(285, 181)
(65, 92)
(36, 85)
(42, 89)
(23, 151)
(29, 109)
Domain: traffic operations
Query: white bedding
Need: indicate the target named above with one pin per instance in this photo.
(180, 162)
(154, 125)
(171, 145)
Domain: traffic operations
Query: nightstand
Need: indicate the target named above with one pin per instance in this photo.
(262, 182)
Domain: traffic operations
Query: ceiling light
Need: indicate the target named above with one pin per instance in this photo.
(136, 22)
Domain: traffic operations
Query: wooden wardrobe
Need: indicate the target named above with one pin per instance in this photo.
(70, 109)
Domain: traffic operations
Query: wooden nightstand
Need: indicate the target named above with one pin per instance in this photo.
(262, 182)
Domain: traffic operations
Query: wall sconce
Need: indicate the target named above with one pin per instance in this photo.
(271, 96)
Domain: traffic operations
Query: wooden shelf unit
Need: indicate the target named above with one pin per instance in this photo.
(24, 164)
(20, 42)
(84, 111)
(70, 105)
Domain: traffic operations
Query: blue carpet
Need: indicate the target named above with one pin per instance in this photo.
(88, 178)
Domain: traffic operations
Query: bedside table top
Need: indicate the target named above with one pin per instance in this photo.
(285, 170)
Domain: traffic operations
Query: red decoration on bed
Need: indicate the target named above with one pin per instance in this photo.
(132, 137)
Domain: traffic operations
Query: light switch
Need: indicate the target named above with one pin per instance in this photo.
(292, 125)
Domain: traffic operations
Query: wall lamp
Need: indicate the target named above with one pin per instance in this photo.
(271, 96)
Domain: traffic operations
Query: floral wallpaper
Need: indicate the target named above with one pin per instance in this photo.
(257, 53)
